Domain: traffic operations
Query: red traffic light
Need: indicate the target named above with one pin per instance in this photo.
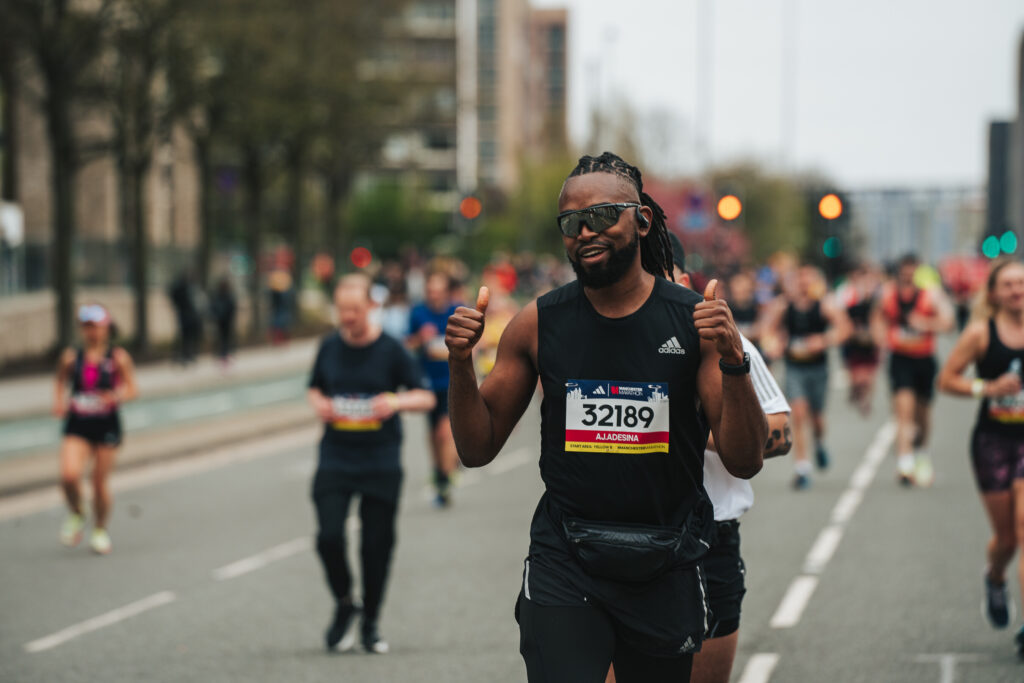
(470, 208)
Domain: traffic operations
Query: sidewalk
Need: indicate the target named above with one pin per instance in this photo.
(33, 396)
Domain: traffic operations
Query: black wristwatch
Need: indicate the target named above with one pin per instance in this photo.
(730, 369)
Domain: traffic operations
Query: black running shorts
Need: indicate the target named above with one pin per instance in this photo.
(725, 574)
(103, 430)
(916, 374)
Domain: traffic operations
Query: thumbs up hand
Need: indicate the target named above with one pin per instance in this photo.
(714, 322)
(465, 327)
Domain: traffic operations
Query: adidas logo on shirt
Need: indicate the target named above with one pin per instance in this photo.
(672, 346)
(599, 390)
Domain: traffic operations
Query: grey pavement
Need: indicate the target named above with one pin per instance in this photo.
(33, 396)
(897, 600)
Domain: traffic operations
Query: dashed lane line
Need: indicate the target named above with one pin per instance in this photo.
(102, 621)
(261, 560)
(759, 668)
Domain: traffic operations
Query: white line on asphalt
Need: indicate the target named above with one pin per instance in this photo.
(261, 560)
(847, 505)
(102, 621)
(947, 663)
(793, 603)
(759, 668)
(791, 608)
(29, 503)
(823, 549)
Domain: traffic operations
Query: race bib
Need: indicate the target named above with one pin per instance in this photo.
(89, 404)
(908, 335)
(354, 414)
(1007, 409)
(616, 417)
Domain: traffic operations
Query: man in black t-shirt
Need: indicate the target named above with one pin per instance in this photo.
(354, 389)
(634, 370)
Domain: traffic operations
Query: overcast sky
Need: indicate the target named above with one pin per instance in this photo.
(886, 92)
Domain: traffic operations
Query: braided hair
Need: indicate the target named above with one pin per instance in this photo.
(655, 247)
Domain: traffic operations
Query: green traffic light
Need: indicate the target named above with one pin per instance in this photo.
(990, 247)
(1008, 242)
(832, 247)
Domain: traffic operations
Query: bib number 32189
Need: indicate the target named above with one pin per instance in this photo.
(616, 417)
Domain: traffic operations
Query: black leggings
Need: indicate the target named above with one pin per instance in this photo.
(378, 538)
(577, 644)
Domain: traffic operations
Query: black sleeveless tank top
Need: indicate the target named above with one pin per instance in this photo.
(622, 433)
(745, 316)
(1005, 414)
(800, 325)
(84, 399)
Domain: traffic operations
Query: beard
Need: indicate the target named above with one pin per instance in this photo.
(611, 271)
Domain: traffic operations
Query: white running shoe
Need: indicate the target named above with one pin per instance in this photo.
(100, 542)
(71, 530)
(924, 473)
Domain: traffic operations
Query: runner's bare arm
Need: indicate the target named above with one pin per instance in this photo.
(483, 417)
(411, 401)
(969, 348)
(60, 393)
(321, 404)
(128, 389)
(842, 327)
(730, 402)
(780, 436)
(879, 324)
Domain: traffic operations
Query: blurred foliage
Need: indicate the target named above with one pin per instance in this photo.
(388, 216)
(524, 220)
(775, 211)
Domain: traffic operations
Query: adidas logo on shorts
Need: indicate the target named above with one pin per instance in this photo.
(672, 346)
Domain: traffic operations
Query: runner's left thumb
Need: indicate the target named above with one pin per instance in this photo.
(482, 299)
(711, 291)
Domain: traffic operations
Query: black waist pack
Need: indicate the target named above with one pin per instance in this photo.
(634, 552)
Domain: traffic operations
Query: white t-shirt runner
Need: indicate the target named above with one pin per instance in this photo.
(730, 495)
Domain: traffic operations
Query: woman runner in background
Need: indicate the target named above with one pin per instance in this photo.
(101, 377)
(995, 342)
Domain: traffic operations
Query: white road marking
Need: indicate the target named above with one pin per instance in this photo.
(29, 503)
(847, 505)
(793, 603)
(759, 668)
(102, 621)
(791, 609)
(947, 663)
(823, 549)
(261, 560)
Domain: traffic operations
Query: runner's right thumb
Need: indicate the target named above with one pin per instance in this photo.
(482, 299)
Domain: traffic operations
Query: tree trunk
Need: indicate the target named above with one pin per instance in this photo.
(253, 178)
(293, 227)
(205, 252)
(9, 90)
(62, 161)
(337, 189)
(140, 254)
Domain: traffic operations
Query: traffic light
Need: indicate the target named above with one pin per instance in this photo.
(470, 208)
(830, 207)
(832, 248)
(995, 245)
(729, 207)
(1008, 242)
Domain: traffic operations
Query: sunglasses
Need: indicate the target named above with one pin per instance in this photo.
(92, 314)
(598, 218)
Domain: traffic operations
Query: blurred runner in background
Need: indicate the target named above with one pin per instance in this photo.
(858, 296)
(223, 310)
(746, 310)
(427, 322)
(905, 322)
(994, 342)
(809, 323)
(101, 377)
(354, 389)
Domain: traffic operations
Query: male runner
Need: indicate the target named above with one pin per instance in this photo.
(731, 497)
(810, 323)
(905, 322)
(634, 370)
(426, 322)
(357, 373)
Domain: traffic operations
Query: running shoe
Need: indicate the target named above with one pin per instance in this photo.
(71, 530)
(100, 542)
(1019, 640)
(821, 457)
(801, 482)
(924, 473)
(341, 636)
(905, 470)
(997, 604)
(372, 642)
